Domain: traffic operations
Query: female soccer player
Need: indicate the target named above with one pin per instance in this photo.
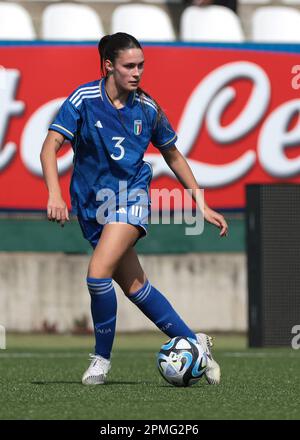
(110, 124)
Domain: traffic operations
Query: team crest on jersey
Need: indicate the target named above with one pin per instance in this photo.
(137, 127)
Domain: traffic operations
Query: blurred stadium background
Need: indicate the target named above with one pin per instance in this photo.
(235, 77)
(154, 20)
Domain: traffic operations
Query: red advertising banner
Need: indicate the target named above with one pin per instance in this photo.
(236, 112)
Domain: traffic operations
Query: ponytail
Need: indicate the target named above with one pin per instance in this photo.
(160, 111)
(102, 52)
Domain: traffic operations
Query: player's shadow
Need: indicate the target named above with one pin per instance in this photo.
(171, 387)
(120, 382)
(108, 383)
(51, 382)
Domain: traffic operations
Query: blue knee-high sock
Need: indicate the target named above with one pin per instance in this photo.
(104, 311)
(158, 309)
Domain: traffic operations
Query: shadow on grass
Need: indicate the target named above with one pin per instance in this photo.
(109, 383)
(51, 382)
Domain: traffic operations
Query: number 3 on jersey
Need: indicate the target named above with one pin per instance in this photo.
(118, 145)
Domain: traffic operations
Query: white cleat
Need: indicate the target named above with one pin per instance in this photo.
(213, 371)
(97, 371)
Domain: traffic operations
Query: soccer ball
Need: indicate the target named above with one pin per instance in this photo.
(181, 361)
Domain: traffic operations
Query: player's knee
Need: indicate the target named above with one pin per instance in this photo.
(99, 271)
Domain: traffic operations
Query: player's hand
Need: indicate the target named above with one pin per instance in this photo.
(57, 210)
(216, 219)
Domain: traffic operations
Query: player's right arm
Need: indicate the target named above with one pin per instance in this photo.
(56, 206)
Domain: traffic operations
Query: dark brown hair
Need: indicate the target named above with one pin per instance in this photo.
(109, 47)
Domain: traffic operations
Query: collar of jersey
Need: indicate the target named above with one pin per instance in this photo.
(106, 100)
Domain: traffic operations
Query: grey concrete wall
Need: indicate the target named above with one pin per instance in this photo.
(207, 290)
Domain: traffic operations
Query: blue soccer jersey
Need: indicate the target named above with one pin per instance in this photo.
(109, 144)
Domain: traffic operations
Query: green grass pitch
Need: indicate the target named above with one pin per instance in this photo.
(41, 379)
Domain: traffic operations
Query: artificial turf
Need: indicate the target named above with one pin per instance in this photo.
(40, 378)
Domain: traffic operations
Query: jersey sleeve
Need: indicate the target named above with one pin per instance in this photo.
(163, 135)
(67, 120)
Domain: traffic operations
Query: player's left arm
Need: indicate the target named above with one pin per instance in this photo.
(178, 164)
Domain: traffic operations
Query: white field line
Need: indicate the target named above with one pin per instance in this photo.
(64, 355)
(57, 355)
(41, 355)
(265, 354)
